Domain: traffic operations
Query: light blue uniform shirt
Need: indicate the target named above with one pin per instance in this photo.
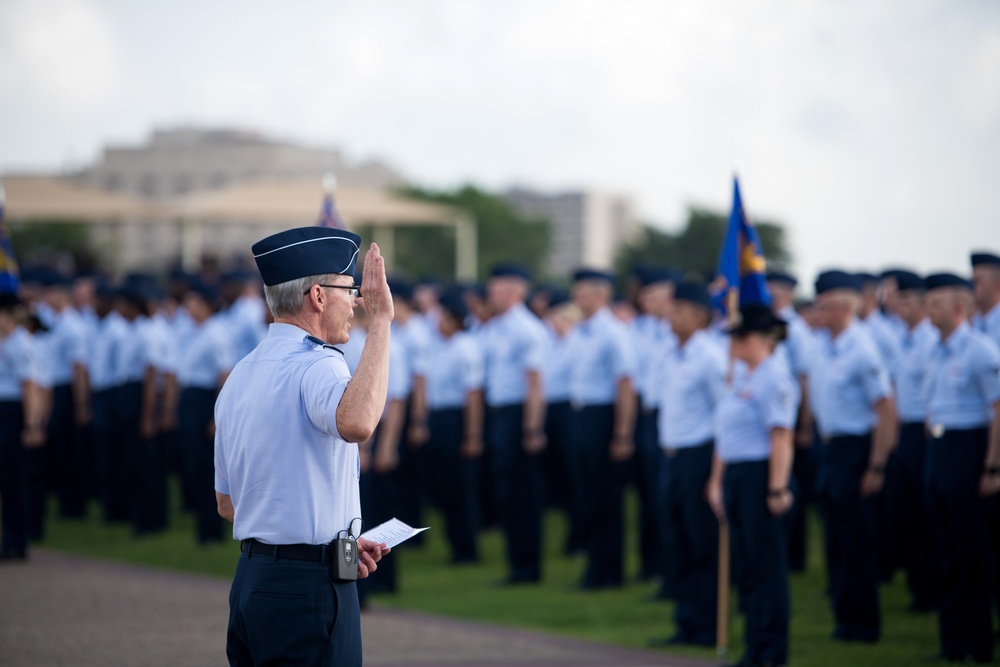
(135, 354)
(67, 344)
(989, 324)
(111, 333)
(292, 478)
(755, 403)
(454, 369)
(513, 344)
(206, 355)
(963, 380)
(416, 338)
(18, 363)
(796, 349)
(557, 367)
(651, 338)
(846, 380)
(400, 375)
(910, 371)
(692, 381)
(881, 330)
(164, 351)
(353, 348)
(602, 356)
(245, 324)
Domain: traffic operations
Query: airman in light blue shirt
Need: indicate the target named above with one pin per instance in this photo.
(693, 380)
(986, 285)
(915, 346)
(455, 368)
(963, 381)
(602, 356)
(514, 344)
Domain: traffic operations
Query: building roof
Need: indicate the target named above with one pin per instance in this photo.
(285, 202)
(48, 197)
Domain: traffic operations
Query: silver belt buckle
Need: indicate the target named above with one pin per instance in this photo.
(937, 430)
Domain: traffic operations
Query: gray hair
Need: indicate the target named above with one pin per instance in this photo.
(286, 299)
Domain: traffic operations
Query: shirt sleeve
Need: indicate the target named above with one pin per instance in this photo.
(534, 352)
(779, 402)
(221, 470)
(715, 369)
(623, 357)
(399, 373)
(987, 372)
(225, 353)
(873, 376)
(475, 371)
(323, 385)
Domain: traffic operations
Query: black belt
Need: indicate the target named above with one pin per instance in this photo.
(311, 552)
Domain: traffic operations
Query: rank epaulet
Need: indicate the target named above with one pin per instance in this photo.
(323, 344)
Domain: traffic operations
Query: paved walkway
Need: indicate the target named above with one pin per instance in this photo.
(59, 609)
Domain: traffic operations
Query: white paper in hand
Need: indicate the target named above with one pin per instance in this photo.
(392, 532)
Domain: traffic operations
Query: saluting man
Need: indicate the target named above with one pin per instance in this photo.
(288, 421)
(852, 400)
(963, 461)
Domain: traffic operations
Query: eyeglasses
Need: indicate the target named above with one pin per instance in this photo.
(354, 290)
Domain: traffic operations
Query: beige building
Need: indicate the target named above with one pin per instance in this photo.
(588, 227)
(176, 162)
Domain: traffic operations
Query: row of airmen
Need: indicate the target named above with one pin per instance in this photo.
(492, 406)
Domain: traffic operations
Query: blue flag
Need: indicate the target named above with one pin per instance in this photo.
(741, 278)
(328, 216)
(9, 274)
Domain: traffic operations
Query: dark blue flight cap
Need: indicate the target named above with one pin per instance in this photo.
(9, 301)
(782, 278)
(306, 251)
(908, 280)
(209, 293)
(985, 259)
(558, 297)
(52, 278)
(831, 280)
(592, 274)
(400, 287)
(511, 270)
(693, 292)
(759, 318)
(653, 275)
(453, 302)
(936, 280)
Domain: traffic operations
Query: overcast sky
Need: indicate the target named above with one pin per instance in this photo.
(871, 129)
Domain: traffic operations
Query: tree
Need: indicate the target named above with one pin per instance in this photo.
(64, 243)
(503, 235)
(695, 249)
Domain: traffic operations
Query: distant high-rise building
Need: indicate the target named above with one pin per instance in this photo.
(179, 161)
(588, 227)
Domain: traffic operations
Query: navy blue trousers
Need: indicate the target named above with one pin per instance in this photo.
(557, 429)
(961, 523)
(196, 410)
(289, 612)
(452, 483)
(804, 471)
(13, 481)
(690, 533)
(381, 500)
(647, 482)
(591, 431)
(110, 457)
(851, 538)
(760, 562)
(70, 467)
(518, 484)
(912, 516)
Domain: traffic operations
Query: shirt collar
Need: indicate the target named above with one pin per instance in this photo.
(285, 331)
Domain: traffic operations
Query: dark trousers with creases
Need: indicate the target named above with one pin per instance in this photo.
(961, 522)
(13, 481)
(557, 429)
(196, 410)
(518, 484)
(110, 457)
(851, 538)
(690, 532)
(912, 516)
(70, 467)
(647, 476)
(760, 562)
(804, 471)
(592, 432)
(289, 612)
(452, 482)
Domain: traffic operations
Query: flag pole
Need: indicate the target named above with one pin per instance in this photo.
(722, 601)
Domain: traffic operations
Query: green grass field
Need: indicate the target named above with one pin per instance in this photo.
(625, 616)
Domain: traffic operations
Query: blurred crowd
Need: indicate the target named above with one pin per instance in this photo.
(879, 402)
